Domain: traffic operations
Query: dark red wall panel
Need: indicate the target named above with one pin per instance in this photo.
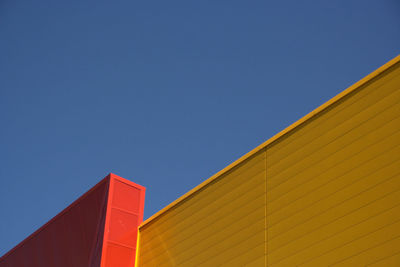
(77, 237)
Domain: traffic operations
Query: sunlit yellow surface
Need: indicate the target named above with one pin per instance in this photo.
(222, 224)
(325, 191)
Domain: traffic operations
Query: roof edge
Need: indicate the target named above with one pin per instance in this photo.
(277, 136)
(55, 217)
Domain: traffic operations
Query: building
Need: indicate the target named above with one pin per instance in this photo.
(324, 191)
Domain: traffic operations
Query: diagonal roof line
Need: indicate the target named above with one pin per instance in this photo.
(370, 77)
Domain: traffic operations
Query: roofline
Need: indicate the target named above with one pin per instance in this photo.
(282, 133)
(69, 207)
(53, 219)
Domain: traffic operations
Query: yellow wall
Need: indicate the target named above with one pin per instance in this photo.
(324, 191)
(224, 223)
(333, 184)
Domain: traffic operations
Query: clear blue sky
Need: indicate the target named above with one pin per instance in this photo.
(164, 93)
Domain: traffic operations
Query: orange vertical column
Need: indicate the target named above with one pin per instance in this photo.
(124, 215)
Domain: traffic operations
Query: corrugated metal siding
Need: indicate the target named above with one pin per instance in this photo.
(333, 184)
(222, 224)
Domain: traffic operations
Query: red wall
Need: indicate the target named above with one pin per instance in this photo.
(98, 229)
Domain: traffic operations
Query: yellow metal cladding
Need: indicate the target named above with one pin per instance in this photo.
(325, 191)
(333, 183)
(222, 224)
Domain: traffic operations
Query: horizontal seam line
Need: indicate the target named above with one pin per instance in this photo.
(369, 203)
(341, 149)
(340, 189)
